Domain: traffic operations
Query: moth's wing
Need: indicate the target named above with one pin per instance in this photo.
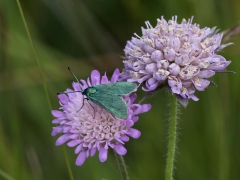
(117, 88)
(111, 103)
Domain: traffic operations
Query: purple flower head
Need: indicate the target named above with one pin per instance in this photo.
(182, 56)
(91, 127)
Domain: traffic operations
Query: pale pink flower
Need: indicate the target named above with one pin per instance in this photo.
(181, 56)
(90, 129)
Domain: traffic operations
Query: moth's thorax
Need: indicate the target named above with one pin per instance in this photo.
(89, 91)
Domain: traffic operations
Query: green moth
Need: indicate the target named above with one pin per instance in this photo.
(108, 96)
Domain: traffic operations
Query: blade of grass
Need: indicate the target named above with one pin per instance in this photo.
(5, 175)
(43, 82)
(35, 55)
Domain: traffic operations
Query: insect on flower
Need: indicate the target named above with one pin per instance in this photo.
(90, 131)
(108, 96)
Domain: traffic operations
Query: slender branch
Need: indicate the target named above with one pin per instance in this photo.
(172, 138)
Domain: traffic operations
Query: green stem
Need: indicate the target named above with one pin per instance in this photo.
(43, 82)
(67, 162)
(122, 166)
(5, 175)
(35, 55)
(172, 138)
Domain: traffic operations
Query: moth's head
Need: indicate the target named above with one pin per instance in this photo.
(89, 91)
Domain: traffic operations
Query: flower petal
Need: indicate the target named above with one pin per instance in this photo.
(56, 130)
(124, 138)
(103, 154)
(134, 133)
(57, 121)
(206, 74)
(81, 158)
(115, 76)
(78, 149)
(73, 143)
(93, 151)
(62, 139)
(120, 149)
(63, 98)
(104, 79)
(145, 108)
(77, 86)
(85, 85)
(57, 113)
(201, 84)
(95, 77)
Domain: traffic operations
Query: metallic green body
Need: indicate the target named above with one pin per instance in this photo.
(108, 96)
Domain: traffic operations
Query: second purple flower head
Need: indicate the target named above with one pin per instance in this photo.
(181, 55)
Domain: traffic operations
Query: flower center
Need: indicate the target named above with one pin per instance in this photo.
(188, 72)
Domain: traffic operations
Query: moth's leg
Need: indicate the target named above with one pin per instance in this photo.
(89, 104)
(93, 109)
(82, 104)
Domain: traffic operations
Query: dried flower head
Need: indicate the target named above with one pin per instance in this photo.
(181, 55)
(91, 127)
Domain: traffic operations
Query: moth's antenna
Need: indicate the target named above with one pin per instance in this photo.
(68, 92)
(80, 91)
(75, 78)
(73, 75)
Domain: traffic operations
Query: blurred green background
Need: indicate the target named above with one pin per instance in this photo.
(90, 34)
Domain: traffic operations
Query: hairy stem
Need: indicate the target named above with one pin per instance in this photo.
(172, 138)
(122, 166)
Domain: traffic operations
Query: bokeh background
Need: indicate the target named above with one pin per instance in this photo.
(91, 34)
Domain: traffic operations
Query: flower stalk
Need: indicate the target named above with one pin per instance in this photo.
(121, 166)
(172, 138)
